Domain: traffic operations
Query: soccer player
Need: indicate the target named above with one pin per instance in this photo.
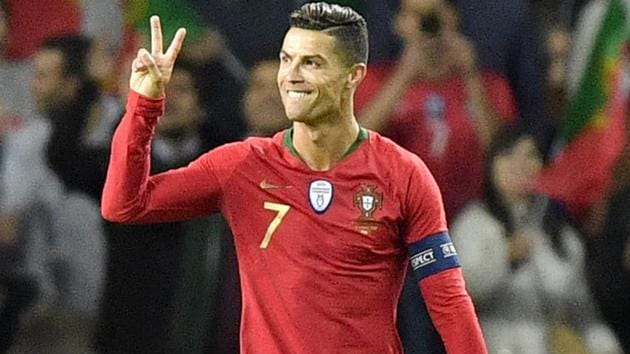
(325, 215)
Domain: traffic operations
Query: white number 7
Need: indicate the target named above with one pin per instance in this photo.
(282, 210)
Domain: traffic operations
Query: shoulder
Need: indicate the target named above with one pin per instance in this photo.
(235, 153)
(399, 159)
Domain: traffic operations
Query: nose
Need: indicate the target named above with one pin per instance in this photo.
(293, 74)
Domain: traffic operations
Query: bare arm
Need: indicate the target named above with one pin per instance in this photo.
(486, 118)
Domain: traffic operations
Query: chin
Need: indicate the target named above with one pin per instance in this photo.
(295, 117)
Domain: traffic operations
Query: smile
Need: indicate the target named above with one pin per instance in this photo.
(297, 94)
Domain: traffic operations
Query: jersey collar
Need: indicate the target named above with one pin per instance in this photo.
(287, 141)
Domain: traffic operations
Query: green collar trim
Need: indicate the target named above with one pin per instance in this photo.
(287, 141)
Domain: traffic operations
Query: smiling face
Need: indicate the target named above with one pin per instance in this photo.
(315, 84)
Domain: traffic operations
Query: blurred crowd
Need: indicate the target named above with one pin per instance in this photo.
(497, 97)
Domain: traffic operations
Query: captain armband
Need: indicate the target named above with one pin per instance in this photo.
(432, 254)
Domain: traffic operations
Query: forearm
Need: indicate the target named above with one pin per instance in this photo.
(376, 114)
(485, 117)
(129, 164)
(131, 195)
(452, 312)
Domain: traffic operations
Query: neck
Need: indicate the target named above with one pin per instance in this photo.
(321, 146)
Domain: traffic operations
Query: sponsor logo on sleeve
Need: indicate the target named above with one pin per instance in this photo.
(422, 259)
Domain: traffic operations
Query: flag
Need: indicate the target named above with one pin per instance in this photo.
(173, 15)
(593, 132)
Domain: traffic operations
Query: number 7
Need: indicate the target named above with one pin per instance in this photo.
(282, 210)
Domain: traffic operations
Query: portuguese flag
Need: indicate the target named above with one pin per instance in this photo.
(593, 133)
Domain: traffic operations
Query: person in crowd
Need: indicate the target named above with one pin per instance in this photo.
(262, 106)
(28, 193)
(523, 262)
(212, 60)
(65, 98)
(435, 101)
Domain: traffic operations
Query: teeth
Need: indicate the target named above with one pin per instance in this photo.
(297, 94)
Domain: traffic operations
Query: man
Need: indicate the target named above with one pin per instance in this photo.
(66, 97)
(323, 214)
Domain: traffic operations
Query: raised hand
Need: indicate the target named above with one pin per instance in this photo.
(151, 72)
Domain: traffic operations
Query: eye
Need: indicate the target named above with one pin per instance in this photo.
(311, 63)
(284, 58)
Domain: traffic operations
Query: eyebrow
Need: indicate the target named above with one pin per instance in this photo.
(315, 56)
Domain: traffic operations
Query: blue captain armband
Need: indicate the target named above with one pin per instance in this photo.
(432, 254)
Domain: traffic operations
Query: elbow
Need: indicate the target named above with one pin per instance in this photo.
(111, 214)
(115, 214)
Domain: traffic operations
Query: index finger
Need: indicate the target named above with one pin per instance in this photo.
(176, 44)
(156, 36)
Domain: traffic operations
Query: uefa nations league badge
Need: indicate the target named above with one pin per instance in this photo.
(320, 195)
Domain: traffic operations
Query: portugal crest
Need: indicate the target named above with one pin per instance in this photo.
(367, 199)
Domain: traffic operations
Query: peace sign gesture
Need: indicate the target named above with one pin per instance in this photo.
(151, 72)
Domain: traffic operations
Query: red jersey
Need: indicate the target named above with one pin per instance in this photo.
(432, 120)
(322, 255)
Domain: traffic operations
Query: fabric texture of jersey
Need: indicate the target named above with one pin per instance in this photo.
(313, 282)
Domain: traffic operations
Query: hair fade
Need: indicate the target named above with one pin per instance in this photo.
(346, 25)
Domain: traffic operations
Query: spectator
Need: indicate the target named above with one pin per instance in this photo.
(222, 77)
(523, 264)
(65, 96)
(262, 106)
(27, 193)
(435, 101)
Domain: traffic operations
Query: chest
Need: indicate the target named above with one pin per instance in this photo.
(288, 215)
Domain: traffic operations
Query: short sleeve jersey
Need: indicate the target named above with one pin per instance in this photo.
(322, 254)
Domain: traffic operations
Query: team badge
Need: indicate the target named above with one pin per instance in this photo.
(367, 200)
(320, 195)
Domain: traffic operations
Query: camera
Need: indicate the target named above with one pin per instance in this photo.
(430, 23)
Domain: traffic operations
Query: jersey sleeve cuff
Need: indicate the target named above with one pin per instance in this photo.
(145, 106)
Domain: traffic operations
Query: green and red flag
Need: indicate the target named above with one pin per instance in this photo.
(593, 133)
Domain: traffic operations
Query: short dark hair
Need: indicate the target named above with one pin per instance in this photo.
(74, 49)
(342, 22)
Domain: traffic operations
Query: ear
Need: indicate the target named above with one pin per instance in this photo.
(356, 75)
